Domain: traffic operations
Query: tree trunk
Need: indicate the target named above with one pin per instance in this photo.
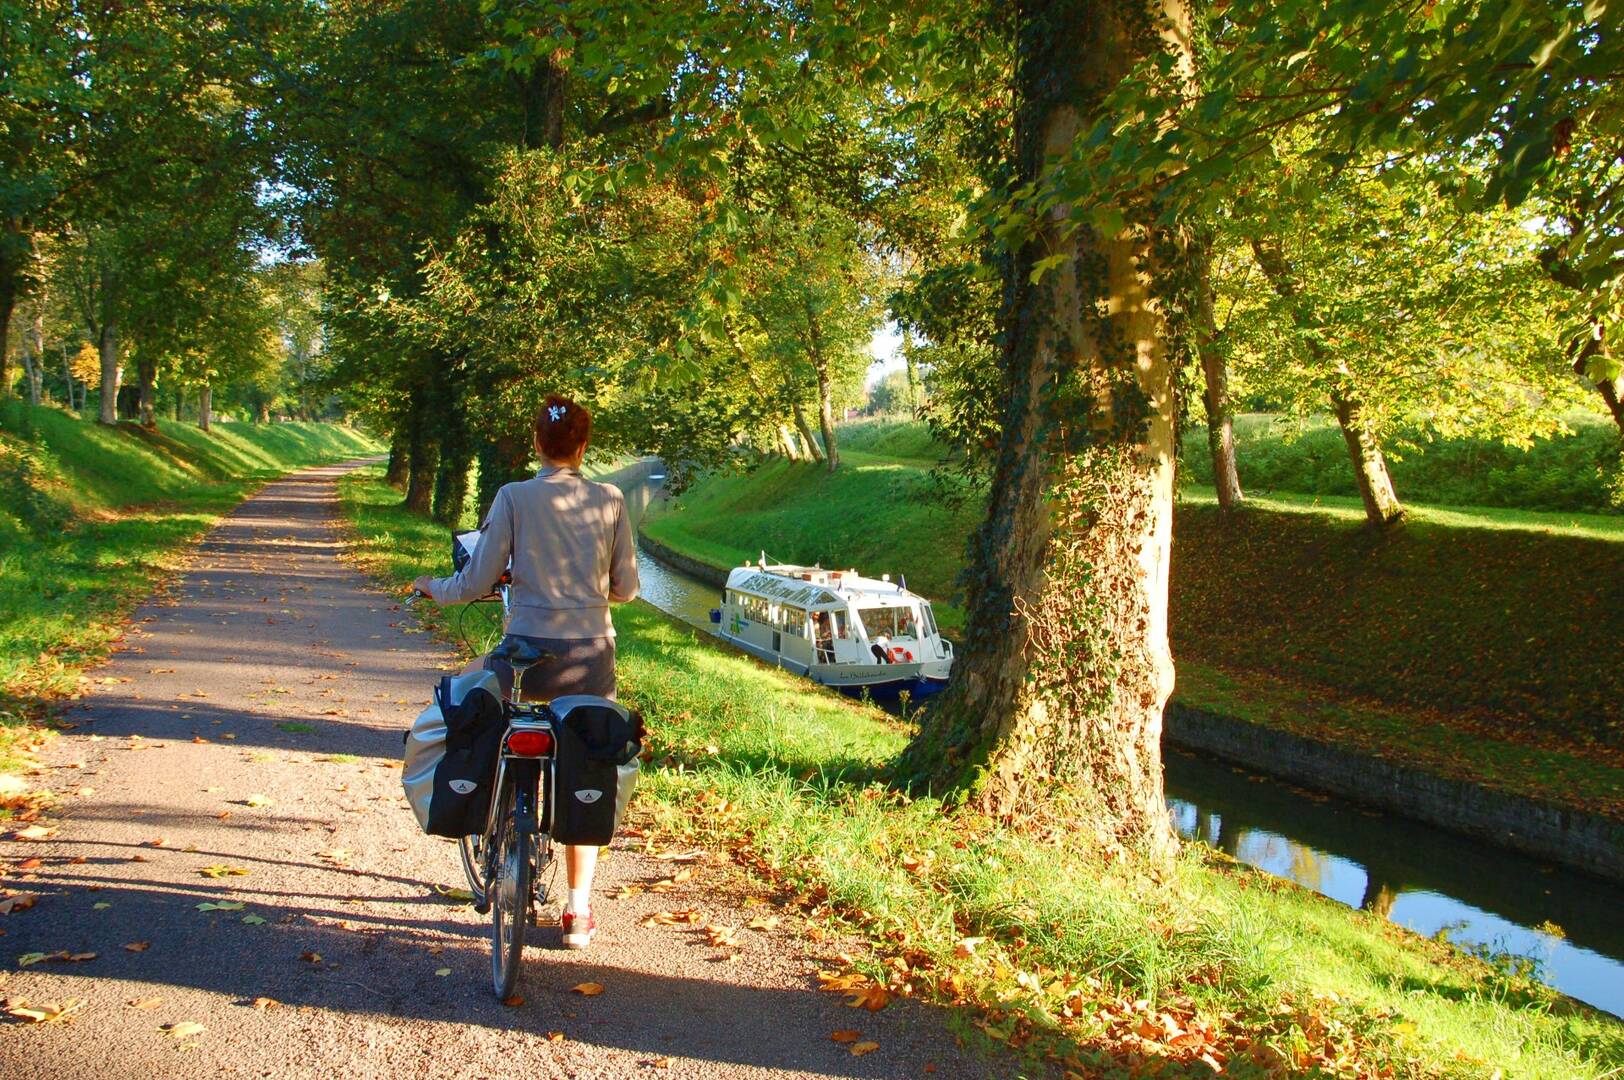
(111, 373)
(456, 459)
(147, 372)
(67, 377)
(542, 96)
(262, 411)
(1382, 507)
(179, 404)
(34, 356)
(786, 439)
(1056, 702)
(502, 460)
(1611, 390)
(826, 406)
(826, 418)
(395, 472)
(205, 406)
(811, 451)
(422, 456)
(1226, 479)
(8, 304)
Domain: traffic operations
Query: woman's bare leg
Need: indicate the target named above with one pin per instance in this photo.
(580, 862)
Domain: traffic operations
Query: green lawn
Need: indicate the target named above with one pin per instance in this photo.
(92, 518)
(1082, 946)
(1465, 642)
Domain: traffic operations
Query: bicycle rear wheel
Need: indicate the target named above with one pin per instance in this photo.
(473, 867)
(510, 897)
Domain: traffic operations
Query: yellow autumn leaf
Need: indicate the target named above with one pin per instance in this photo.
(183, 1029)
(588, 989)
(859, 1049)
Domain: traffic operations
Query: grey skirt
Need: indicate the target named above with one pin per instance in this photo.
(579, 666)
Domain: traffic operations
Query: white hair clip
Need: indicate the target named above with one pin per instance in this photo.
(555, 413)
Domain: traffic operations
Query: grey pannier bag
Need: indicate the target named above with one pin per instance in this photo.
(594, 769)
(451, 754)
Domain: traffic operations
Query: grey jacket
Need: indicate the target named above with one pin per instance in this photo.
(571, 549)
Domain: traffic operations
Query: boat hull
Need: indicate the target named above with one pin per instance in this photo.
(877, 680)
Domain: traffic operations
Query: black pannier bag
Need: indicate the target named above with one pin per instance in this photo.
(595, 771)
(451, 755)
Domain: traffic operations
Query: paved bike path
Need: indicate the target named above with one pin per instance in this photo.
(252, 722)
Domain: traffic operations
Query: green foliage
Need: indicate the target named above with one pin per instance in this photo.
(1577, 471)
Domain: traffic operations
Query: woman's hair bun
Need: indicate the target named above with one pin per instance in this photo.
(562, 427)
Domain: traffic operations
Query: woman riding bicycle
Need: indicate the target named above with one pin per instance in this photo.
(569, 545)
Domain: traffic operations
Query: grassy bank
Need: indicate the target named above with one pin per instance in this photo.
(1580, 471)
(1424, 645)
(1054, 944)
(91, 518)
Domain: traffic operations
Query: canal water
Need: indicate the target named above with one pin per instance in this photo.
(1569, 926)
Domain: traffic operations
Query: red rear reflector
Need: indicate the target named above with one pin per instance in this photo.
(530, 743)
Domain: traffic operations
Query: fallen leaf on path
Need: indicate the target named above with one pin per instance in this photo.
(722, 936)
(681, 856)
(661, 1063)
(17, 902)
(443, 971)
(859, 1049)
(256, 800)
(183, 1030)
(223, 871)
(845, 1035)
(138, 946)
(263, 1003)
(161, 671)
(44, 1013)
(310, 957)
(763, 922)
(220, 905)
(513, 1002)
(588, 989)
(555, 1036)
(454, 894)
(31, 863)
(628, 891)
(145, 1003)
(103, 906)
(33, 832)
(872, 998)
(254, 920)
(687, 916)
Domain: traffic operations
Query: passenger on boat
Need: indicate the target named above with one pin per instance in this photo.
(821, 634)
(881, 648)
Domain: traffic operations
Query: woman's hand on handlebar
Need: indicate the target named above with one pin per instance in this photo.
(420, 587)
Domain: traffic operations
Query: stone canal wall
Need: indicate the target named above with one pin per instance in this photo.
(1587, 842)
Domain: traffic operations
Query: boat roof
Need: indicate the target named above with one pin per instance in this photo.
(816, 589)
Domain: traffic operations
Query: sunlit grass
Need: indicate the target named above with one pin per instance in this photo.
(745, 754)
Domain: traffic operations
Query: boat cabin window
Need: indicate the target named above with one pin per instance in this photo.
(930, 620)
(893, 622)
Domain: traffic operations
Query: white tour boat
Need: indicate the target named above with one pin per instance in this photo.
(836, 627)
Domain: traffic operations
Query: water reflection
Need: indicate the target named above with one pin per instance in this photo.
(1419, 877)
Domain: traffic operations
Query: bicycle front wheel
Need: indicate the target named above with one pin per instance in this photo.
(510, 898)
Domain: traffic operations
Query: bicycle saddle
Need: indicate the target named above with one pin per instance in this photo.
(520, 653)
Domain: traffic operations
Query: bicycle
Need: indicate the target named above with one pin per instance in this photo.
(503, 863)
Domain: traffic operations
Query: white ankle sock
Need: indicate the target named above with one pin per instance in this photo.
(579, 902)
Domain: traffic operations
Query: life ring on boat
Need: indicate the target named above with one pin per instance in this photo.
(899, 654)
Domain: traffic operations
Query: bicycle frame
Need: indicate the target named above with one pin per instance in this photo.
(529, 720)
